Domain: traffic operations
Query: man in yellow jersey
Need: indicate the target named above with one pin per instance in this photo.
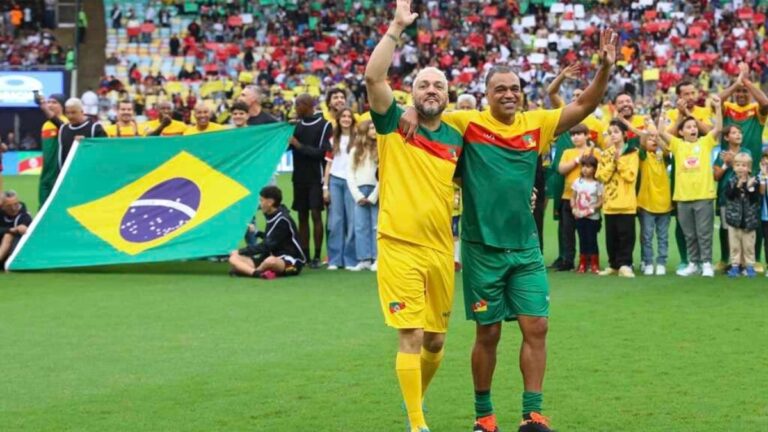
(503, 269)
(687, 95)
(50, 144)
(203, 121)
(126, 126)
(415, 271)
(165, 125)
(625, 110)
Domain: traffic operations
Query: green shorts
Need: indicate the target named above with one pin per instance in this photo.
(500, 284)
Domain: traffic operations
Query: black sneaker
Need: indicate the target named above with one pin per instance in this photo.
(565, 266)
(557, 263)
(315, 263)
(534, 422)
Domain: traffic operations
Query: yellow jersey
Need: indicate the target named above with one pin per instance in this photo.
(175, 128)
(416, 181)
(693, 169)
(212, 127)
(115, 131)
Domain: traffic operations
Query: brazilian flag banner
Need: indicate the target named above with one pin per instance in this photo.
(152, 199)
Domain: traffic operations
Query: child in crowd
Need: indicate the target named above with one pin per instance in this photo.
(694, 187)
(586, 201)
(723, 169)
(764, 200)
(570, 170)
(239, 113)
(654, 202)
(336, 193)
(742, 213)
(364, 187)
(617, 170)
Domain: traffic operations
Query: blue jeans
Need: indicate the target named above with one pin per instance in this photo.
(341, 233)
(650, 223)
(366, 221)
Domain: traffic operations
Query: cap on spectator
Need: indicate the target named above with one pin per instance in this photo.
(58, 97)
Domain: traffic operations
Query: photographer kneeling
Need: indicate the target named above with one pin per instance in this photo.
(14, 221)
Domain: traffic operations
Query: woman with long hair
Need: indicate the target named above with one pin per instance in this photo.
(341, 205)
(364, 186)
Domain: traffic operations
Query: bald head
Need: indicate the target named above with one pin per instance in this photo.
(305, 105)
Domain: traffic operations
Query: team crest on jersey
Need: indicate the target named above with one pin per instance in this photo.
(396, 306)
(530, 142)
(480, 306)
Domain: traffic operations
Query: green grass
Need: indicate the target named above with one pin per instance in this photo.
(182, 347)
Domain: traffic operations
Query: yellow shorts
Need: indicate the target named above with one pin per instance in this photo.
(415, 285)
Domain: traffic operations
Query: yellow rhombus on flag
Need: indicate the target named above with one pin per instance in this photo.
(174, 198)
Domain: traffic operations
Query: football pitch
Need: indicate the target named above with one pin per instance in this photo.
(183, 347)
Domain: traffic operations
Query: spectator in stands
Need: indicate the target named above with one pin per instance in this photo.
(694, 190)
(165, 18)
(126, 125)
(203, 121)
(11, 141)
(173, 45)
(165, 125)
(338, 195)
(16, 17)
(251, 95)
(116, 14)
(82, 26)
(364, 186)
(466, 102)
(279, 254)
(28, 142)
(49, 18)
(14, 222)
(310, 142)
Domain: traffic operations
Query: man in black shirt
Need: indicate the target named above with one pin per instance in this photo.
(79, 127)
(309, 144)
(251, 95)
(279, 254)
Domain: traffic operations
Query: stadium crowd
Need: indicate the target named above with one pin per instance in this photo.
(675, 58)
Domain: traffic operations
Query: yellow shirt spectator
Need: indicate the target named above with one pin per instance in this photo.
(693, 168)
(655, 195)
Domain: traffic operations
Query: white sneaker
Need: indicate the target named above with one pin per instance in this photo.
(648, 270)
(691, 270)
(362, 265)
(374, 266)
(626, 271)
(333, 267)
(707, 270)
(661, 270)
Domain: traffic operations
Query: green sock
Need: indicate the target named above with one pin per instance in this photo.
(532, 402)
(483, 405)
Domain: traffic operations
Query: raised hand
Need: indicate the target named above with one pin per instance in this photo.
(743, 73)
(716, 101)
(403, 15)
(608, 41)
(571, 71)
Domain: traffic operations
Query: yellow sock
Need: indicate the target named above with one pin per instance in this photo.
(408, 367)
(429, 363)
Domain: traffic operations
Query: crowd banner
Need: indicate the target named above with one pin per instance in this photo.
(152, 199)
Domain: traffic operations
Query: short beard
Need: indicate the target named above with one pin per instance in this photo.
(429, 113)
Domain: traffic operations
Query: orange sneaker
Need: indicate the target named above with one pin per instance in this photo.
(534, 422)
(486, 424)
